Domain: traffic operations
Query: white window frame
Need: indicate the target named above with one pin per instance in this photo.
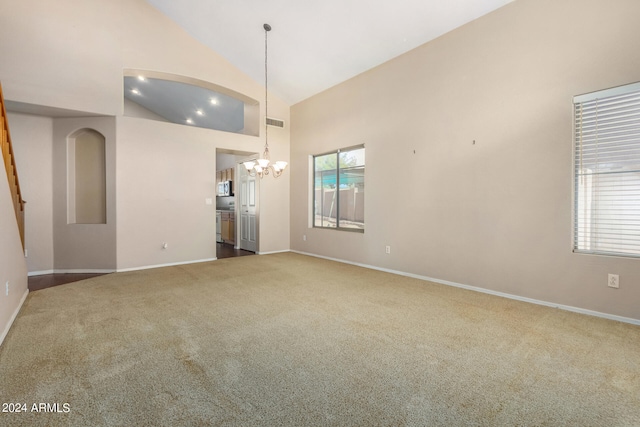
(606, 172)
(313, 190)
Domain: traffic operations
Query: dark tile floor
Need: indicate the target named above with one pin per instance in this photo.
(225, 250)
(44, 281)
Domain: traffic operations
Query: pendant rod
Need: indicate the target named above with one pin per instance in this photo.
(267, 28)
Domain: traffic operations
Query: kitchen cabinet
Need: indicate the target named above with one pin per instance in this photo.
(219, 227)
(225, 229)
(224, 175)
(228, 227)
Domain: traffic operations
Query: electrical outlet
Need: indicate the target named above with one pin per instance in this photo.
(304, 237)
(387, 249)
(26, 253)
(614, 281)
(6, 286)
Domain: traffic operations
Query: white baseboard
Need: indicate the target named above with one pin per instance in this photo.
(70, 271)
(39, 273)
(84, 271)
(13, 316)
(147, 267)
(485, 291)
(274, 252)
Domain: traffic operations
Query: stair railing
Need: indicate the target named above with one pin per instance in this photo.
(10, 166)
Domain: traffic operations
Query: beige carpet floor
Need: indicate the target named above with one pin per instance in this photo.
(290, 340)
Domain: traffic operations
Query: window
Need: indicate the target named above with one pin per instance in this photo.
(338, 189)
(607, 172)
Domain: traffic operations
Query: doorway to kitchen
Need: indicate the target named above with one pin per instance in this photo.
(232, 197)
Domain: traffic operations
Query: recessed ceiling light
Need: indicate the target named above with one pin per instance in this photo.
(214, 101)
(141, 78)
(135, 91)
(190, 121)
(200, 112)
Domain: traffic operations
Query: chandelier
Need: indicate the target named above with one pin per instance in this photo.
(263, 166)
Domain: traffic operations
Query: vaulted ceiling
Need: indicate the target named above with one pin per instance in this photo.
(315, 45)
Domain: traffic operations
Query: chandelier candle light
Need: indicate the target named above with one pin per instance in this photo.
(263, 165)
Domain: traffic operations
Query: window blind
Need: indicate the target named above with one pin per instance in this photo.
(607, 172)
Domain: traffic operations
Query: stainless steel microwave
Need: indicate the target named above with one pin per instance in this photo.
(225, 188)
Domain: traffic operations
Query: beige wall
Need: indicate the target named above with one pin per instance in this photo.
(173, 169)
(495, 214)
(13, 268)
(82, 247)
(32, 143)
(62, 53)
(71, 55)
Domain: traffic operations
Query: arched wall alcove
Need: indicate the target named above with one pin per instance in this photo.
(86, 178)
